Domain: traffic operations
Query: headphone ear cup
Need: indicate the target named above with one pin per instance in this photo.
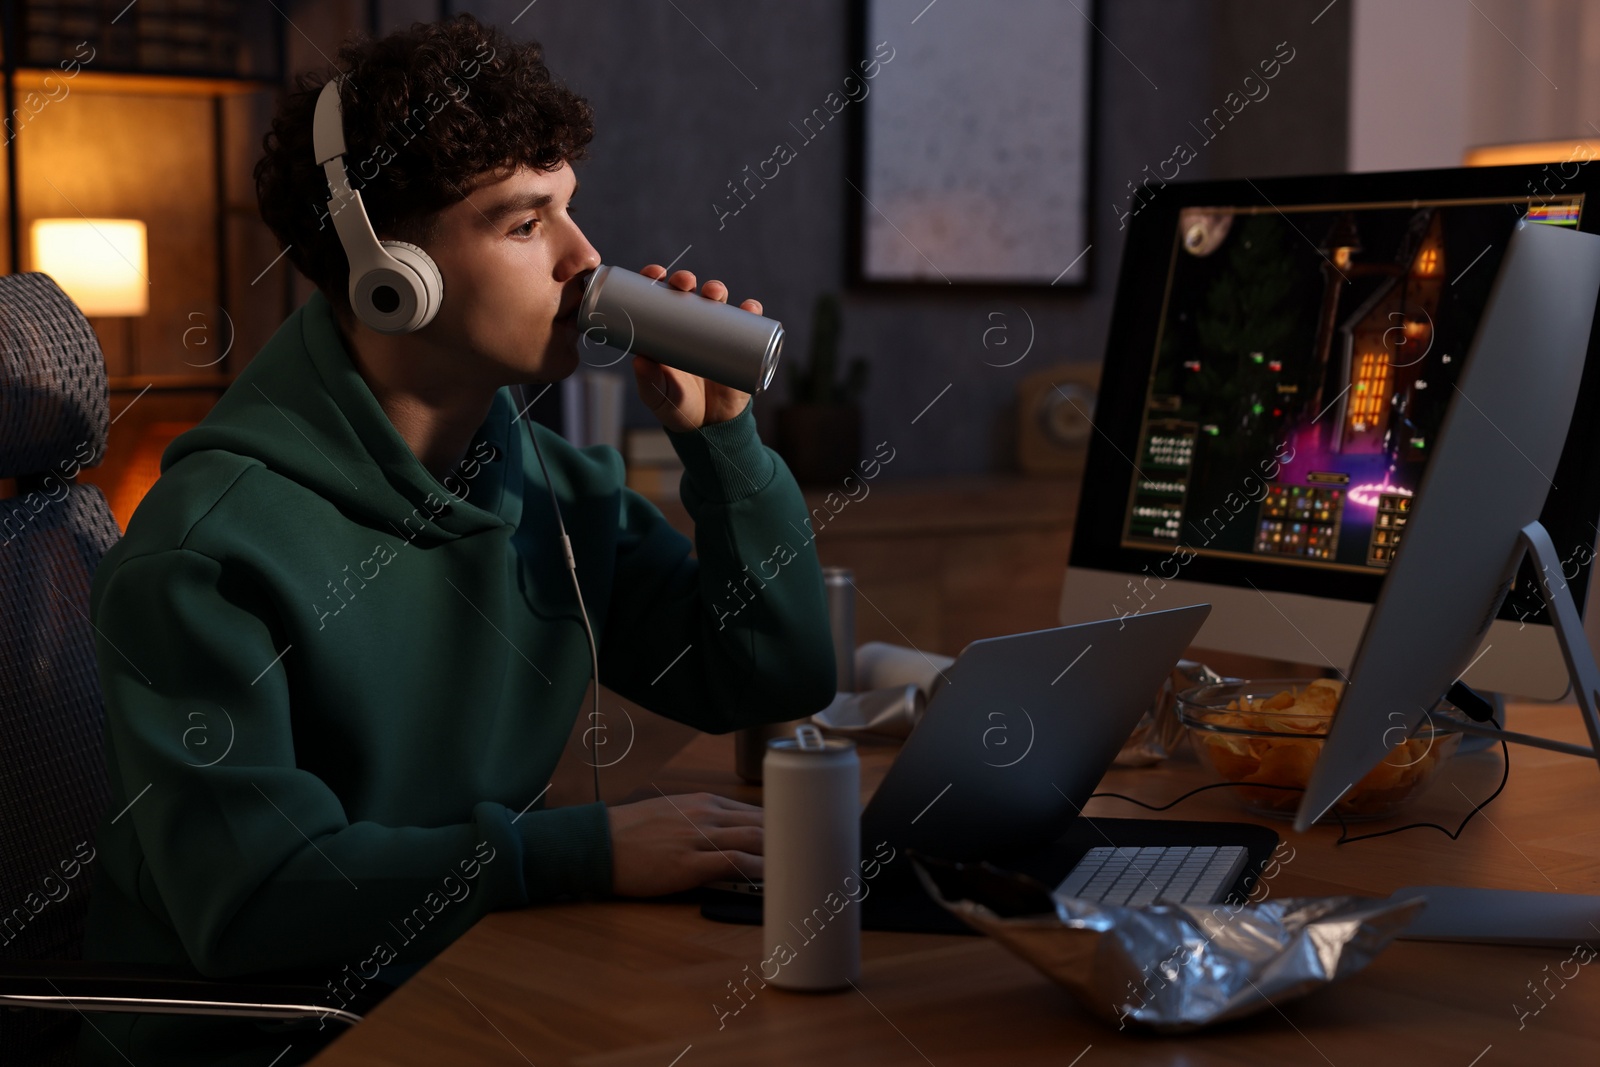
(403, 294)
(427, 273)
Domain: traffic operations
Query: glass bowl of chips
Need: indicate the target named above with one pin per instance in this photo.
(1269, 732)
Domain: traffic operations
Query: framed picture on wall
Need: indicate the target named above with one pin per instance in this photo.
(971, 157)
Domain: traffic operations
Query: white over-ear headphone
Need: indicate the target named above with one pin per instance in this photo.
(395, 287)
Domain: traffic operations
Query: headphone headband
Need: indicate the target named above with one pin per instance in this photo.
(327, 124)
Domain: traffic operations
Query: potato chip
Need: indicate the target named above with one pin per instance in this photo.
(1287, 763)
(1279, 702)
(1231, 756)
(1296, 721)
(1385, 775)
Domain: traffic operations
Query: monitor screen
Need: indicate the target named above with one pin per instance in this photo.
(1282, 356)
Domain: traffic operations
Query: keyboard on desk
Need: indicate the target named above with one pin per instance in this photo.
(1175, 874)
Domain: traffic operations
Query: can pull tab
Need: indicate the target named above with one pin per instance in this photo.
(808, 738)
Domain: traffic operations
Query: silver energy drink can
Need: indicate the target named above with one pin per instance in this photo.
(841, 586)
(628, 312)
(811, 924)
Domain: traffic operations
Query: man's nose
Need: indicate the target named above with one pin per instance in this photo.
(583, 256)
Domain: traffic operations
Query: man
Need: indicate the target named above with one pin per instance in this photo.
(340, 649)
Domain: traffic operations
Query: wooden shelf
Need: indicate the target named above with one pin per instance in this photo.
(138, 83)
(942, 506)
(940, 562)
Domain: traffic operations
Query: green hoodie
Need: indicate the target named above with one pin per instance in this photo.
(336, 687)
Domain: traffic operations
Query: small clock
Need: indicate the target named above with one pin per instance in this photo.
(1055, 408)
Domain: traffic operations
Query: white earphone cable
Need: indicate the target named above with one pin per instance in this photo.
(588, 629)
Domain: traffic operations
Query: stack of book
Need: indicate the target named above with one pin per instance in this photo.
(187, 36)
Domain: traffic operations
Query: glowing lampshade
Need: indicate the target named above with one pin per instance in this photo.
(99, 263)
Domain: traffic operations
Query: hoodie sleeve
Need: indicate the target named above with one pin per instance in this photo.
(250, 859)
(738, 636)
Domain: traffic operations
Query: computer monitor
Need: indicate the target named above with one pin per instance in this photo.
(1280, 360)
(1499, 445)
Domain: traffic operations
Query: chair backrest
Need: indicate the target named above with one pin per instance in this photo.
(53, 422)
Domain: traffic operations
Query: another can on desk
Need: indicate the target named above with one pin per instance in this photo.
(841, 585)
(624, 310)
(750, 743)
(812, 796)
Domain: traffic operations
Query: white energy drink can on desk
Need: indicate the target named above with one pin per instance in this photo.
(811, 927)
(628, 312)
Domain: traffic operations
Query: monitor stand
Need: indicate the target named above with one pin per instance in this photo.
(1575, 650)
(1518, 917)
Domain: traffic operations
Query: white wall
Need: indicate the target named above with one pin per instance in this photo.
(1408, 83)
(1431, 78)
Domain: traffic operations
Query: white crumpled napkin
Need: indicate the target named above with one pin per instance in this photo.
(894, 686)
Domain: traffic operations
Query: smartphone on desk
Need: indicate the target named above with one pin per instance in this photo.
(910, 909)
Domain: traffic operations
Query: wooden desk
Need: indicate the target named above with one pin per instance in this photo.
(623, 984)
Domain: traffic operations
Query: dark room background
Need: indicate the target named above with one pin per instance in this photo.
(688, 92)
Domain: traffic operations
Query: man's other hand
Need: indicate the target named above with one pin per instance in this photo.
(671, 843)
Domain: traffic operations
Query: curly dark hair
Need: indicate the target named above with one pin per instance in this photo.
(430, 113)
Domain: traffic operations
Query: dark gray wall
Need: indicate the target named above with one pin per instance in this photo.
(689, 92)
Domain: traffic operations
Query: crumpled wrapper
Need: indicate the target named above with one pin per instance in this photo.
(895, 683)
(1171, 968)
(891, 712)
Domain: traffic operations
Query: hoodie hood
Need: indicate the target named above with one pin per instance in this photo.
(304, 412)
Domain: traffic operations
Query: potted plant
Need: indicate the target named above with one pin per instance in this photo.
(819, 430)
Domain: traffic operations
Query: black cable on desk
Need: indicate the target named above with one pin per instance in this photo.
(1344, 830)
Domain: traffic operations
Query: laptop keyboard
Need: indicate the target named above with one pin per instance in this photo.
(1176, 874)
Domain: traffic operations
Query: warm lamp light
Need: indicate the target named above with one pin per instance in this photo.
(1579, 150)
(100, 263)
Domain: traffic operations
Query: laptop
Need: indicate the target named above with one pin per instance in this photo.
(1016, 737)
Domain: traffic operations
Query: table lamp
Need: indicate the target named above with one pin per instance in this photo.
(100, 263)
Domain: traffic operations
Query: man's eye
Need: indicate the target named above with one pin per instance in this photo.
(526, 229)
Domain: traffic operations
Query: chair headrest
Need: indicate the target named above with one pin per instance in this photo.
(53, 402)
